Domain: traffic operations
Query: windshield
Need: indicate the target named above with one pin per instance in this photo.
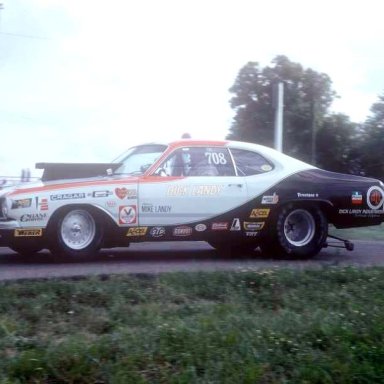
(138, 159)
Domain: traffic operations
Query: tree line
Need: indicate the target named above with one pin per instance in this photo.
(311, 133)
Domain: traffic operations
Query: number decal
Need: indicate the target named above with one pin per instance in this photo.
(216, 158)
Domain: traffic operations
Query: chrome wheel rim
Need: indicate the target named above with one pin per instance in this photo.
(299, 227)
(78, 229)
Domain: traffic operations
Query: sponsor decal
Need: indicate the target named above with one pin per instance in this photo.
(33, 217)
(271, 199)
(150, 208)
(100, 193)
(182, 231)
(124, 193)
(137, 231)
(375, 197)
(236, 225)
(207, 190)
(222, 226)
(361, 212)
(43, 204)
(110, 203)
(22, 203)
(307, 194)
(157, 231)
(195, 190)
(35, 232)
(251, 234)
(259, 213)
(357, 198)
(127, 214)
(68, 196)
(177, 190)
(201, 227)
(253, 225)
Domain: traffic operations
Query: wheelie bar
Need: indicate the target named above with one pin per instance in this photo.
(348, 245)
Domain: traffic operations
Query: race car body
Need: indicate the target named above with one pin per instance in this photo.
(230, 194)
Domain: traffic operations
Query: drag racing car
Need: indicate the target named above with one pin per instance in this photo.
(233, 195)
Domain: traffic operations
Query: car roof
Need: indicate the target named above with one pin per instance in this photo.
(269, 153)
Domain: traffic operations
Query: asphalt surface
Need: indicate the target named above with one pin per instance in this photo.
(154, 258)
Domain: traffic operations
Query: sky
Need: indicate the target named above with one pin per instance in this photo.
(82, 81)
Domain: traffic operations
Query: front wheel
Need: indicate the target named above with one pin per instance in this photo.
(78, 234)
(298, 232)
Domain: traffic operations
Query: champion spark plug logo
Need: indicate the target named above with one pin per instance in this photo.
(375, 197)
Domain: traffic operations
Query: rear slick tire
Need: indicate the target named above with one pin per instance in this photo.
(299, 232)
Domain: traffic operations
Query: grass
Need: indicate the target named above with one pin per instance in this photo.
(272, 326)
(363, 233)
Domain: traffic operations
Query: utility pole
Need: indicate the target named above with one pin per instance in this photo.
(279, 109)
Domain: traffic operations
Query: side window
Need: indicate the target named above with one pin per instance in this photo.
(250, 163)
(208, 161)
(197, 161)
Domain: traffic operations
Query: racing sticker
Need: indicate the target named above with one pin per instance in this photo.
(137, 231)
(200, 227)
(253, 225)
(182, 231)
(21, 203)
(357, 198)
(35, 232)
(375, 197)
(43, 204)
(68, 196)
(221, 226)
(127, 214)
(157, 232)
(259, 213)
(270, 199)
(124, 193)
(236, 225)
(29, 217)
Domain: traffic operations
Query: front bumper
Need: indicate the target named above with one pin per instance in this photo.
(9, 224)
(7, 228)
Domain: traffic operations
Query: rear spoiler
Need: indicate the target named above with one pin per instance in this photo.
(60, 171)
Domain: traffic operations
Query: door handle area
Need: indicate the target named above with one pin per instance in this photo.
(235, 185)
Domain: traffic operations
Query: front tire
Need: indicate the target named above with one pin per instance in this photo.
(78, 234)
(298, 232)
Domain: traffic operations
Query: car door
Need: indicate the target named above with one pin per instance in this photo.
(193, 184)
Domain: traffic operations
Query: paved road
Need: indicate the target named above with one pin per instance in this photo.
(176, 256)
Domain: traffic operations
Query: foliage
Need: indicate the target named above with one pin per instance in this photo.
(248, 326)
(311, 133)
(307, 96)
(372, 143)
(337, 144)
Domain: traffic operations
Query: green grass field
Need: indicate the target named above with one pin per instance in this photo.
(248, 326)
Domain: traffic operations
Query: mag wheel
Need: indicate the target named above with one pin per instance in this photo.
(299, 232)
(78, 234)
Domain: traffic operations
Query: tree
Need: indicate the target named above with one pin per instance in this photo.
(371, 149)
(337, 147)
(307, 96)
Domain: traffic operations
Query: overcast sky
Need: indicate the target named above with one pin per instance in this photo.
(84, 80)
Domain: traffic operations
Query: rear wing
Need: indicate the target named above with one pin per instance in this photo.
(60, 171)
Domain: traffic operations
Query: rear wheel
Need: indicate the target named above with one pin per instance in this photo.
(78, 234)
(299, 232)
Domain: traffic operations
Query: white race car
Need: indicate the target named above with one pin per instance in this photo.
(233, 195)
